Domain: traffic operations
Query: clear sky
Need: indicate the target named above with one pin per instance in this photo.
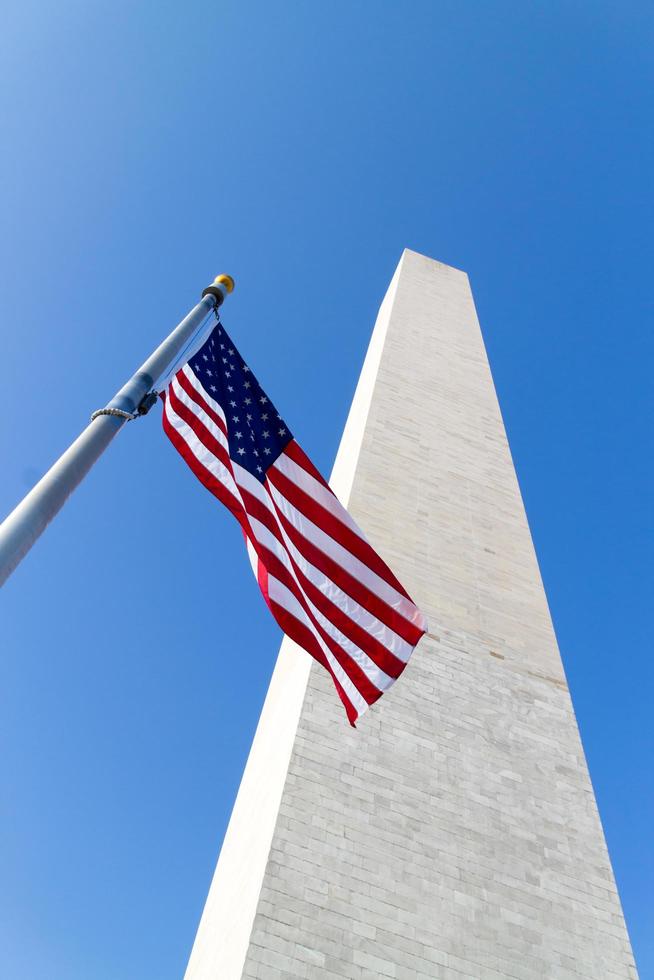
(299, 147)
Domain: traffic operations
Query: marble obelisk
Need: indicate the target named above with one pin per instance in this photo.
(455, 833)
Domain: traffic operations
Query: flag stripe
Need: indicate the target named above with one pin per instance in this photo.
(282, 596)
(211, 440)
(295, 452)
(313, 484)
(332, 651)
(341, 627)
(282, 614)
(319, 516)
(387, 650)
(348, 583)
(210, 471)
(204, 395)
(182, 380)
(370, 676)
(262, 493)
(326, 629)
(341, 556)
(302, 635)
(317, 489)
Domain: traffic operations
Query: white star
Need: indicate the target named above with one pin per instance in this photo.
(263, 399)
(246, 368)
(210, 373)
(267, 451)
(282, 432)
(249, 417)
(256, 453)
(248, 401)
(241, 451)
(212, 388)
(264, 417)
(246, 384)
(235, 418)
(205, 357)
(224, 360)
(228, 374)
(231, 351)
(229, 388)
(233, 404)
(212, 343)
(239, 435)
(222, 347)
(197, 367)
(259, 470)
(266, 434)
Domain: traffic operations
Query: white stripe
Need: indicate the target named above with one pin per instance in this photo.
(280, 594)
(317, 491)
(202, 454)
(352, 609)
(253, 556)
(201, 390)
(325, 543)
(375, 674)
(200, 414)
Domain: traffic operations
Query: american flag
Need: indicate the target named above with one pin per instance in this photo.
(324, 584)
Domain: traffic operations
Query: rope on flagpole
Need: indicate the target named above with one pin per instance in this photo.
(116, 412)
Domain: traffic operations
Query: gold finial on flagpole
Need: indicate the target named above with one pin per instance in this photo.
(226, 281)
(222, 286)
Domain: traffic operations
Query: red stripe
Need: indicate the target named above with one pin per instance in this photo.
(205, 476)
(336, 529)
(276, 567)
(349, 584)
(363, 684)
(208, 440)
(199, 400)
(254, 507)
(298, 456)
(261, 572)
(380, 655)
(303, 635)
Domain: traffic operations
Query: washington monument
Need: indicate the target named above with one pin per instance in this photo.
(455, 833)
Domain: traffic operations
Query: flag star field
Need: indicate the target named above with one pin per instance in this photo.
(256, 431)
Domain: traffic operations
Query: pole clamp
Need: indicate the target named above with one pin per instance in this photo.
(144, 407)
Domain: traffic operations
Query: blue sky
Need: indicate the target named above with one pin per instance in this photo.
(300, 147)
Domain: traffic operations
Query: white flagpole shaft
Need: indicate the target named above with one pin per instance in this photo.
(29, 519)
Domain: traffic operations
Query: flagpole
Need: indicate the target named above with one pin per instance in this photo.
(29, 519)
